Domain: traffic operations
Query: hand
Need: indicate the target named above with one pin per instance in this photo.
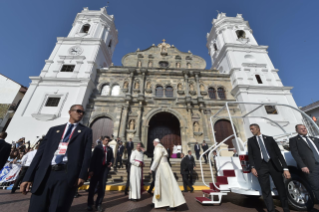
(110, 165)
(91, 174)
(287, 174)
(25, 187)
(143, 150)
(305, 170)
(80, 182)
(254, 171)
(151, 171)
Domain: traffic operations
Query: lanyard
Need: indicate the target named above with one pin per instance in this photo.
(70, 135)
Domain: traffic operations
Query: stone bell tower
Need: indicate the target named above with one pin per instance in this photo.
(68, 76)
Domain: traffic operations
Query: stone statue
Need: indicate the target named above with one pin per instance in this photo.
(150, 64)
(132, 124)
(148, 86)
(137, 85)
(178, 65)
(125, 86)
(196, 127)
(202, 88)
(139, 64)
(180, 87)
(189, 65)
(191, 87)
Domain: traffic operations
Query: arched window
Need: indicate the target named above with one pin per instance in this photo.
(169, 91)
(115, 90)
(221, 93)
(241, 34)
(110, 44)
(212, 93)
(159, 91)
(188, 58)
(105, 90)
(85, 28)
(178, 57)
(215, 47)
(258, 79)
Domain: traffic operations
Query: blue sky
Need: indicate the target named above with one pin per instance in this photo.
(290, 28)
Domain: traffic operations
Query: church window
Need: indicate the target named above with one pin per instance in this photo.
(159, 91)
(163, 64)
(241, 34)
(110, 44)
(188, 58)
(258, 79)
(85, 28)
(67, 68)
(212, 93)
(105, 90)
(169, 91)
(271, 109)
(215, 47)
(221, 93)
(140, 56)
(115, 90)
(178, 57)
(52, 102)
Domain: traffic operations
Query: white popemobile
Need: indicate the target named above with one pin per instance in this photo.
(233, 173)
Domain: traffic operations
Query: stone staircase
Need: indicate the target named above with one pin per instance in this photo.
(120, 176)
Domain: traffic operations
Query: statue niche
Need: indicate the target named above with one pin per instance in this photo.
(192, 89)
(137, 86)
(148, 87)
(132, 125)
(180, 90)
(202, 90)
(196, 129)
(125, 86)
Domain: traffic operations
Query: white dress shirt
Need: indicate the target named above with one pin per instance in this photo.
(262, 140)
(29, 157)
(309, 139)
(65, 158)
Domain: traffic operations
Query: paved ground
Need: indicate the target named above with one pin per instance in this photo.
(117, 202)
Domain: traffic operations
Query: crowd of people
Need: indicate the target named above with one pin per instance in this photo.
(59, 163)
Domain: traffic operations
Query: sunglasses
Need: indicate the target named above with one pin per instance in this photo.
(79, 111)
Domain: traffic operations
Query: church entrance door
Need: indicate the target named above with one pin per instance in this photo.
(166, 127)
(101, 127)
(222, 130)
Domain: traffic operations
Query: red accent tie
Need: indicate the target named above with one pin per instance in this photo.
(104, 155)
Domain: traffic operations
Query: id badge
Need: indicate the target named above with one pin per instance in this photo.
(63, 147)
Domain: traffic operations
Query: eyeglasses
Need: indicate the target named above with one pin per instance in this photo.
(79, 111)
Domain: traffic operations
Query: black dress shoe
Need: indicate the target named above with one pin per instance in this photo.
(90, 208)
(192, 190)
(150, 192)
(171, 209)
(125, 193)
(13, 191)
(77, 195)
(134, 200)
(184, 191)
(99, 208)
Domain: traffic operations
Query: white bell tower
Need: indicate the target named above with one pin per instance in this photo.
(68, 75)
(234, 51)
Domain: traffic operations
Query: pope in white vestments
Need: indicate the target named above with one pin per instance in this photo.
(167, 192)
(136, 175)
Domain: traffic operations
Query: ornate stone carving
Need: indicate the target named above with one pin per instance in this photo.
(164, 46)
(196, 129)
(180, 90)
(132, 125)
(148, 87)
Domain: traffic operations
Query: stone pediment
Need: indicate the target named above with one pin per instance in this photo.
(163, 56)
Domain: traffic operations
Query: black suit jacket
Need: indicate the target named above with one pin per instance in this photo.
(98, 156)
(273, 150)
(79, 155)
(197, 150)
(5, 150)
(187, 165)
(302, 152)
(120, 151)
(205, 148)
(129, 148)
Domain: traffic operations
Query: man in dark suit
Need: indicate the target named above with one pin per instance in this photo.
(197, 150)
(205, 147)
(266, 160)
(101, 164)
(187, 168)
(5, 149)
(129, 147)
(305, 150)
(120, 151)
(60, 165)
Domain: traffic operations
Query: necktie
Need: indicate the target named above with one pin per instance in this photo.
(313, 149)
(104, 155)
(59, 158)
(263, 149)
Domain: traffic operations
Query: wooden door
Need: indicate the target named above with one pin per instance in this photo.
(102, 127)
(165, 127)
(222, 130)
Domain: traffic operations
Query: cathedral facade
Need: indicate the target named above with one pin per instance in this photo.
(159, 92)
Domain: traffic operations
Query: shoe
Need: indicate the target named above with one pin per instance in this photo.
(150, 192)
(184, 191)
(90, 208)
(192, 190)
(13, 191)
(99, 208)
(134, 200)
(77, 195)
(125, 193)
(171, 209)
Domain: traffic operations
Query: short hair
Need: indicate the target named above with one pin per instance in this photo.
(254, 125)
(73, 106)
(297, 125)
(189, 151)
(3, 135)
(104, 137)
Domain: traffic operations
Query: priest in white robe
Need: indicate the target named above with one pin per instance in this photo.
(136, 173)
(167, 192)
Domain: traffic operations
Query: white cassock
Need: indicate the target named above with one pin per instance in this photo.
(167, 192)
(136, 174)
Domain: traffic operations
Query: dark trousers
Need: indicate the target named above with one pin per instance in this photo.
(153, 182)
(127, 182)
(313, 178)
(98, 181)
(205, 158)
(119, 160)
(197, 155)
(19, 179)
(187, 180)
(265, 170)
(54, 194)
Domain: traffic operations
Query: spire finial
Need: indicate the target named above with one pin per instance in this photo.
(163, 40)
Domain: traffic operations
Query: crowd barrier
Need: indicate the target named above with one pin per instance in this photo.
(8, 174)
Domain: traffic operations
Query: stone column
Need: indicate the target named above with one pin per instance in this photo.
(205, 126)
(124, 120)
(138, 123)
